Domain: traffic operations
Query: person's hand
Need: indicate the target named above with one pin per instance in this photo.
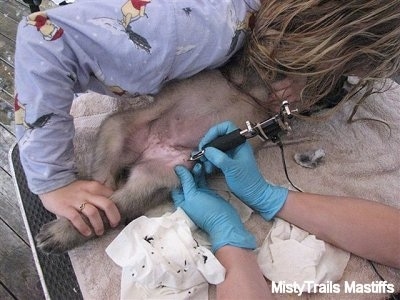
(242, 174)
(83, 197)
(209, 211)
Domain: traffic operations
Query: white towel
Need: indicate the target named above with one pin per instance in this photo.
(293, 255)
(160, 259)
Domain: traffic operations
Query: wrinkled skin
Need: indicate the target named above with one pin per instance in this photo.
(137, 150)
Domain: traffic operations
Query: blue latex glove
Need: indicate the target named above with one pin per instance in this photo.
(209, 211)
(242, 174)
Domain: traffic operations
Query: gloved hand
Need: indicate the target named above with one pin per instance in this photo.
(209, 211)
(242, 174)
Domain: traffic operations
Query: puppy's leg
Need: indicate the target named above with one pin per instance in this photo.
(59, 236)
(148, 185)
(111, 152)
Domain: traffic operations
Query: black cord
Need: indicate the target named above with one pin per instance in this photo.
(280, 144)
(376, 271)
(392, 296)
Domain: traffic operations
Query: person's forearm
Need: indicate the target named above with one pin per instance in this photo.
(244, 279)
(365, 228)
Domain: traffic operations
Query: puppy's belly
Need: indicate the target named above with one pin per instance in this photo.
(167, 153)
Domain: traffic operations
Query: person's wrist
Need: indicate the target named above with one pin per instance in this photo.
(237, 236)
(272, 201)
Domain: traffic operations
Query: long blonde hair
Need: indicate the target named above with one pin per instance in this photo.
(323, 40)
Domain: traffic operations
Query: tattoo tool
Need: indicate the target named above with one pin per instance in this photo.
(269, 129)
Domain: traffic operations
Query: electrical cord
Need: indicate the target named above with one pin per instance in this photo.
(280, 144)
(395, 296)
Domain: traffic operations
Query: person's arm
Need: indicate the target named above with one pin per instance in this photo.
(365, 228)
(45, 75)
(231, 242)
(243, 279)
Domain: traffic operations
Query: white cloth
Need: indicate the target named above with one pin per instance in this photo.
(161, 260)
(293, 255)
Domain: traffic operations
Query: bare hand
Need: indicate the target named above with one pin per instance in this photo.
(83, 197)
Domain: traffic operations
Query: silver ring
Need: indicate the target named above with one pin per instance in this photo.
(82, 206)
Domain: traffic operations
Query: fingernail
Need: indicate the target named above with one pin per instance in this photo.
(113, 225)
(87, 233)
(197, 167)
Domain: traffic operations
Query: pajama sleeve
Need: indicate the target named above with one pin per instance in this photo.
(46, 73)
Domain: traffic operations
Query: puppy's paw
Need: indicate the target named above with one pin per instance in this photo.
(59, 236)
